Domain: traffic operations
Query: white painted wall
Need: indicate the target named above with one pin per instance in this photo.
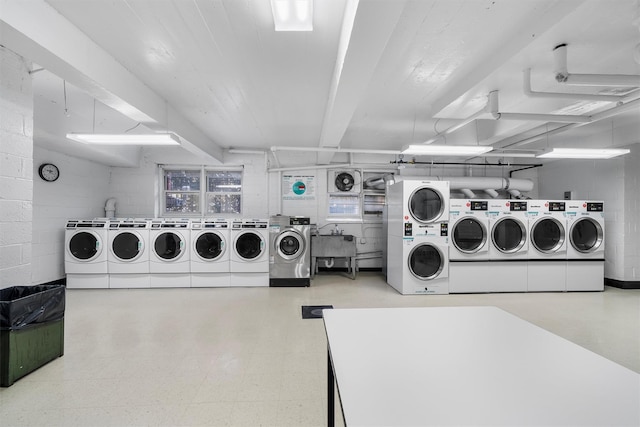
(632, 215)
(16, 169)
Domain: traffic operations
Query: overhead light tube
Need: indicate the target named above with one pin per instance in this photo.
(125, 139)
(292, 15)
(582, 153)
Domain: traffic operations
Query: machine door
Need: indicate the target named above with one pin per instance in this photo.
(509, 235)
(127, 246)
(547, 235)
(85, 246)
(586, 235)
(169, 246)
(289, 245)
(426, 204)
(249, 245)
(469, 235)
(210, 246)
(426, 261)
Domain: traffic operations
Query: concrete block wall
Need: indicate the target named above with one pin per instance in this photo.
(135, 190)
(632, 215)
(16, 169)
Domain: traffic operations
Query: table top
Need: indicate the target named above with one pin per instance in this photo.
(470, 366)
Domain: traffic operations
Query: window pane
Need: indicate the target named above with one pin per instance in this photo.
(182, 180)
(344, 205)
(182, 202)
(220, 203)
(373, 204)
(224, 181)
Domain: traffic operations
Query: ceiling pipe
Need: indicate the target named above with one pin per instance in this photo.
(468, 193)
(477, 183)
(301, 168)
(492, 193)
(562, 75)
(560, 118)
(335, 150)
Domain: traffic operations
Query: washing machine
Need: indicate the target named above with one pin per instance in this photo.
(418, 237)
(249, 256)
(508, 252)
(585, 249)
(210, 239)
(85, 257)
(169, 259)
(289, 251)
(547, 269)
(128, 254)
(469, 267)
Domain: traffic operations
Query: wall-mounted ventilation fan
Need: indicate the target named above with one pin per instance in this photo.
(344, 181)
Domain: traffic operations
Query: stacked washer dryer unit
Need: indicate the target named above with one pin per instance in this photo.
(290, 251)
(418, 240)
(585, 250)
(249, 257)
(547, 269)
(508, 252)
(169, 260)
(85, 258)
(469, 267)
(128, 255)
(210, 253)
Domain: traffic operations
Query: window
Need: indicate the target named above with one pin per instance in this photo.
(183, 194)
(347, 206)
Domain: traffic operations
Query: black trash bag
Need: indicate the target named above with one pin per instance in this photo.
(23, 306)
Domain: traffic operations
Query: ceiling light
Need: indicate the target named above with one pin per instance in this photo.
(125, 139)
(582, 153)
(292, 15)
(446, 150)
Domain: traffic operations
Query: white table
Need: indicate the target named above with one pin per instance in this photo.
(469, 366)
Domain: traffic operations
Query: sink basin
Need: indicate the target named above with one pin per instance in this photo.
(334, 246)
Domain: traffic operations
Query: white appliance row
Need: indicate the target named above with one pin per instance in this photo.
(143, 253)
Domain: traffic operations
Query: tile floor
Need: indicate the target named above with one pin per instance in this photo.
(244, 356)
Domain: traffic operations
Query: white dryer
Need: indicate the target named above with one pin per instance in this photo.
(85, 257)
(509, 247)
(413, 204)
(547, 267)
(210, 238)
(169, 260)
(249, 256)
(128, 254)
(586, 247)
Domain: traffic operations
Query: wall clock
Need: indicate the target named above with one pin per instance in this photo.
(49, 172)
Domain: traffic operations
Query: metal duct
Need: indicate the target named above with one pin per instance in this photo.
(477, 183)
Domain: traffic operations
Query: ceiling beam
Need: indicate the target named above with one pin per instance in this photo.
(34, 30)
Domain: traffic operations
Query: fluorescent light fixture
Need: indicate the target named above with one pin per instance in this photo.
(292, 15)
(447, 150)
(582, 153)
(125, 139)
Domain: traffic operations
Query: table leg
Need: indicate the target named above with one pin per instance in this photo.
(330, 392)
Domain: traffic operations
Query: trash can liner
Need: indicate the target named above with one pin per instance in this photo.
(23, 306)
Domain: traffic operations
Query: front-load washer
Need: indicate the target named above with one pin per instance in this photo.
(210, 239)
(169, 259)
(289, 251)
(85, 257)
(586, 246)
(547, 267)
(128, 254)
(509, 247)
(249, 256)
(469, 267)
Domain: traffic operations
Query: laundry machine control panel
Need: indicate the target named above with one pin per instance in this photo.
(515, 206)
(595, 207)
(479, 205)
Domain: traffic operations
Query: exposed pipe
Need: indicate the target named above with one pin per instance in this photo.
(110, 208)
(328, 262)
(561, 118)
(335, 150)
(468, 193)
(463, 123)
(299, 168)
(562, 75)
(477, 183)
(514, 193)
(492, 193)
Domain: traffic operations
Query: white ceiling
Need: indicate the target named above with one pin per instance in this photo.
(373, 74)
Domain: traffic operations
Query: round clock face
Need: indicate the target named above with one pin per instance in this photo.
(49, 172)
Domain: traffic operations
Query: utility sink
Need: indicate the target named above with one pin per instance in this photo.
(333, 246)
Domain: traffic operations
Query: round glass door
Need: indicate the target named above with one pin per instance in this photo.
(426, 262)
(289, 245)
(127, 246)
(547, 235)
(249, 245)
(209, 246)
(586, 235)
(509, 235)
(469, 235)
(168, 246)
(426, 204)
(84, 246)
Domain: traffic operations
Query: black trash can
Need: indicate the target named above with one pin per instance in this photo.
(31, 329)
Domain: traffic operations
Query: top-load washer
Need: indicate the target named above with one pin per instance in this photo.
(290, 251)
(169, 260)
(586, 247)
(128, 255)
(547, 267)
(249, 256)
(210, 238)
(85, 260)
